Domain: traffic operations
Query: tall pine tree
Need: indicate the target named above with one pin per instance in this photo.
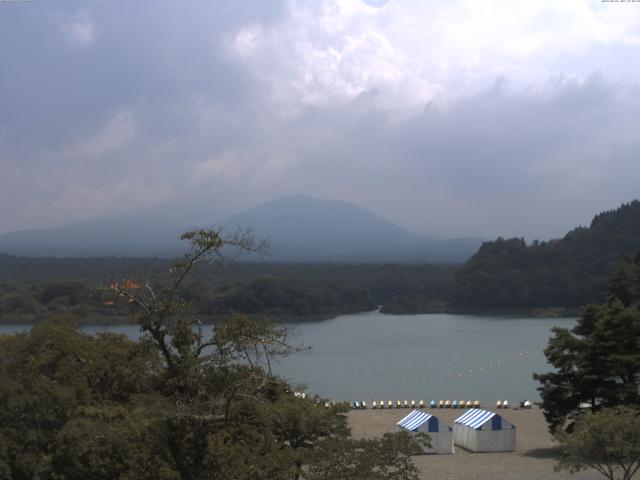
(597, 363)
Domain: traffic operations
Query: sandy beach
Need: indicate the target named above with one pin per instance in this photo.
(535, 456)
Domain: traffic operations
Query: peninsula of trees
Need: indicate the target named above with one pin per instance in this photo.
(511, 274)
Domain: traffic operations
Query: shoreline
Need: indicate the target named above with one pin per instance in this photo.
(97, 319)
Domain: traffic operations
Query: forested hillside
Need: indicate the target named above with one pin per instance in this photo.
(284, 298)
(505, 273)
(31, 289)
(383, 280)
(568, 272)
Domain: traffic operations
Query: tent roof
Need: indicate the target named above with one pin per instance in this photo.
(413, 421)
(475, 418)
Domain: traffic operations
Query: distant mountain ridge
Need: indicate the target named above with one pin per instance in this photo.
(301, 228)
(107, 237)
(567, 272)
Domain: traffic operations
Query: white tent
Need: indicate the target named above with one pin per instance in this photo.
(441, 434)
(483, 431)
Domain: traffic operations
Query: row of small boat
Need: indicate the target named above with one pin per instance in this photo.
(503, 404)
(457, 404)
(420, 404)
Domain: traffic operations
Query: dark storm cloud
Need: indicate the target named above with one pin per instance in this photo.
(73, 69)
(107, 108)
(150, 55)
(485, 162)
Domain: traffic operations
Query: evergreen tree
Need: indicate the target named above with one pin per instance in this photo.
(566, 272)
(598, 362)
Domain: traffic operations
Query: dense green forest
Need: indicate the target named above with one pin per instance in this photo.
(503, 274)
(175, 404)
(568, 272)
(553, 277)
(32, 289)
(384, 281)
(27, 302)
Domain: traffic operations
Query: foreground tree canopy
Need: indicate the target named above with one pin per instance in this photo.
(607, 441)
(597, 362)
(177, 404)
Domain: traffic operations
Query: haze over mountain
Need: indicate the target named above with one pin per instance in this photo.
(105, 237)
(299, 227)
(305, 228)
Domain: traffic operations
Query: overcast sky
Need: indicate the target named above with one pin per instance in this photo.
(449, 118)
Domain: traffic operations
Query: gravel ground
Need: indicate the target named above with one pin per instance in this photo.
(535, 456)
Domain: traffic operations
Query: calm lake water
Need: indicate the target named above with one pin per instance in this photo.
(371, 356)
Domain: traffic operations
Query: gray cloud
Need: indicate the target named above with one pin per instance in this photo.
(494, 163)
(107, 109)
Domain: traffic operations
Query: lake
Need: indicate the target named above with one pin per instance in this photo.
(372, 356)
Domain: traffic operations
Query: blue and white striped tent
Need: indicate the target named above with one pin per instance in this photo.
(484, 431)
(440, 433)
